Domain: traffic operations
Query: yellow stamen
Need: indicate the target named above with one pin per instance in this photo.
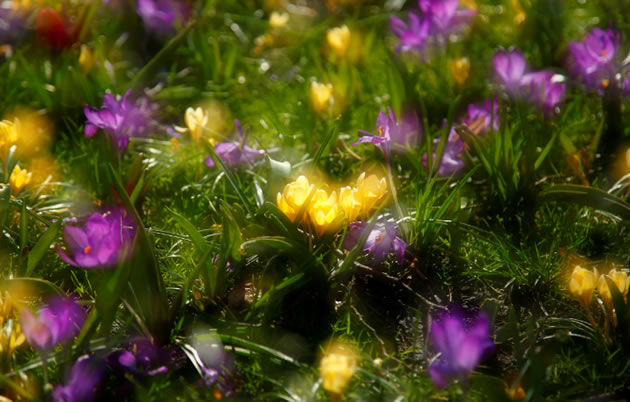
(381, 131)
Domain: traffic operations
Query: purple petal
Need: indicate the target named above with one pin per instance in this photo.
(441, 374)
(36, 333)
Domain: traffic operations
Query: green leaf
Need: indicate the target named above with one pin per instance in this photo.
(587, 196)
(191, 231)
(42, 246)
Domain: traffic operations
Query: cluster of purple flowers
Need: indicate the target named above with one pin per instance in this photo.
(542, 88)
(435, 21)
(120, 119)
(596, 61)
(102, 241)
(479, 118)
(142, 358)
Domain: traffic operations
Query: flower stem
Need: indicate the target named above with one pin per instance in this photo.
(399, 213)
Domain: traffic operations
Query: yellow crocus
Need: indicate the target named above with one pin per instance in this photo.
(321, 95)
(339, 39)
(582, 284)
(8, 133)
(620, 279)
(19, 179)
(350, 203)
(294, 196)
(196, 120)
(278, 19)
(337, 367)
(86, 59)
(324, 212)
(371, 189)
(460, 68)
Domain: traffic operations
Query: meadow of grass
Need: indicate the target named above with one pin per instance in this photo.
(314, 200)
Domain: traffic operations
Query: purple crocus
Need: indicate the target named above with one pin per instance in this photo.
(479, 118)
(56, 323)
(386, 128)
(594, 60)
(438, 20)
(509, 67)
(461, 346)
(101, 242)
(413, 37)
(445, 16)
(381, 241)
(236, 153)
(162, 16)
(142, 357)
(12, 24)
(542, 88)
(120, 119)
(83, 383)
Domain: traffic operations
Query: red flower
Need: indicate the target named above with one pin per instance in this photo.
(51, 30)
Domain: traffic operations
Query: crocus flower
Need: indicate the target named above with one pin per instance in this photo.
(542, 88)
(337, 366)
(381, 241)
(445, 16)
(83, 383)
(479, 118)
(56, 323)
(324, 212)
(370, 190)
(162, 16)
(235, 153)
(19, 179)
(413, 37)
(620, 279)
(461, 345)
(293, 197)
(509, 66)
(120, 119)
(142, 357)
(102, 242)
(582, 284)
(196, 121)
(321, 95)
(386, 127)
(595, 59)
(338, 40)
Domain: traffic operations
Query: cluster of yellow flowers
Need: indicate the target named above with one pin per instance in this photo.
(583, 282)
(327, 211)
(337, 366)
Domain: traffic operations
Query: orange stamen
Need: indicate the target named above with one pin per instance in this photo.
(381, 131)
(603, 52)
(88, 249)
(604, 84)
